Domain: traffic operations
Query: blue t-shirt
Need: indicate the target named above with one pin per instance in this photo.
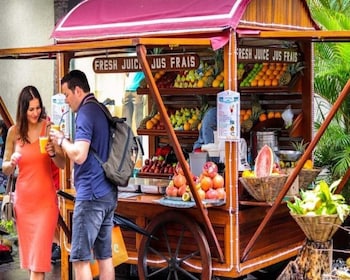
(133, 81)
(91, 125)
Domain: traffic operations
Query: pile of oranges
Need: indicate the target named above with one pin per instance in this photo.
(247, 114)
(265, 74)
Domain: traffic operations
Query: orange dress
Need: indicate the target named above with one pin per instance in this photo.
(36, 207)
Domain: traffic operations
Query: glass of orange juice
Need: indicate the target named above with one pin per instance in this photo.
(43, 142)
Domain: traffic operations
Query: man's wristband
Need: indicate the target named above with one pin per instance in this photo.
(61, 141)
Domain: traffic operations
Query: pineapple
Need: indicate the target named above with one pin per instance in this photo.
(299, 146)
(291, 71)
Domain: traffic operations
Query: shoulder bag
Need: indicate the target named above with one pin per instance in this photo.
(7, 209)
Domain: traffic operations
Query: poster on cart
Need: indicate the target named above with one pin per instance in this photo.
(60, 113)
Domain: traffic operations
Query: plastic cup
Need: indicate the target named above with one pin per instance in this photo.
(43, 142)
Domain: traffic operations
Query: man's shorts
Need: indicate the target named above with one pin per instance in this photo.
(92, 228)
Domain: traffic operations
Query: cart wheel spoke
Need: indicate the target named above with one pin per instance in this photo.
(158, 253)
(180, 251)
(189, 256)
(180, 241)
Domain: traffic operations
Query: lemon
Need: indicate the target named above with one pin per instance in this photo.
(247, 173)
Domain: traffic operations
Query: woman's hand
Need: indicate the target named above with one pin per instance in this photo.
(50, 149)
(15, 157)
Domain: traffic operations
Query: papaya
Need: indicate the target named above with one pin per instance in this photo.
(264, 162)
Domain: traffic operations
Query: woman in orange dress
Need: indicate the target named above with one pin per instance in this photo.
(35, 199)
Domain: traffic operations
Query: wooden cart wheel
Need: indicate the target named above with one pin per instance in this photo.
(178, 249)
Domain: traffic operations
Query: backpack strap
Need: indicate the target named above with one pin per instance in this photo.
(109, 118)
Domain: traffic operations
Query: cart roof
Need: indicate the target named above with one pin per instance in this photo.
(96, 26)
(103, 19)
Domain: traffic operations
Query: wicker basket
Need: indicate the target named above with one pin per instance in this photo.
(318, 228)
(306, 176)
(264, 188)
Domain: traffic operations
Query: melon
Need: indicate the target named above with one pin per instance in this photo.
(264, 162)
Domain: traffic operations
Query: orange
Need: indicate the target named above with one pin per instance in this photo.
(268, 72)
(242, 112)
(270, 115)
(254, 83)
(187, 126)
(149, 124)
(262, 117)
(261, 83)
(274, 82)
(249, 112)
(246, 117)
(278, 115)
(267, 83)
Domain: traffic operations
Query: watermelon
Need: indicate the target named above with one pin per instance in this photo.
(264, 162)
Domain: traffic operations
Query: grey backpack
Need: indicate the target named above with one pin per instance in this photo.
(123, 149)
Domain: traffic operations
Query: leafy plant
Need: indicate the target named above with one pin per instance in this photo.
(9, 226)
(320, 201)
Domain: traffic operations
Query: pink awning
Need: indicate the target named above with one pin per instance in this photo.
(111, 19)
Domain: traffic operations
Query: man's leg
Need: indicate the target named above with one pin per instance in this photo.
(106, 269)
(82, 270)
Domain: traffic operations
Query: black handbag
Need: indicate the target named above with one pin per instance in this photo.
(7, 209)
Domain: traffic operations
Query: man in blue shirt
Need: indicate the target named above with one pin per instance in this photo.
(96, 197)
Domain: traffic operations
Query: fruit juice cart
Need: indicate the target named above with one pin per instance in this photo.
(196, 240)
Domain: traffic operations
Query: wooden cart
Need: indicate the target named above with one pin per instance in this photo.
(241, 236)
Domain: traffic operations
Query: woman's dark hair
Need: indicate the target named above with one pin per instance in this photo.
(27, 94)
(76, 78)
